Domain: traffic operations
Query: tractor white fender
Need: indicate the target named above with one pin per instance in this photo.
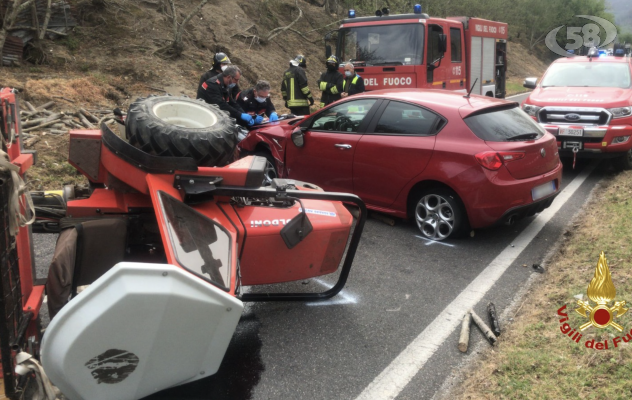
(138, 329)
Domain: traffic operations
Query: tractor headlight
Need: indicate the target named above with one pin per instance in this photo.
(620, 112)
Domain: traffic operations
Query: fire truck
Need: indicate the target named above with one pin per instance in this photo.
(417, 51)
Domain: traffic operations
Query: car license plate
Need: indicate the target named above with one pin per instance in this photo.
(544, 190)
(571, 132)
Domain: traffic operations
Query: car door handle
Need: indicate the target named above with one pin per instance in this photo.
(343, 146)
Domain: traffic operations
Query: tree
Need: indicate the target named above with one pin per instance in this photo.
(175, 48)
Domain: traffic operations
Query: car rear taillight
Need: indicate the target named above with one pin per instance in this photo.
(493, 160)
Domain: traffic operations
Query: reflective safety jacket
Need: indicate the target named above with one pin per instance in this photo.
(353, 85)
(294, 88)
(246, 100)
(330, 83)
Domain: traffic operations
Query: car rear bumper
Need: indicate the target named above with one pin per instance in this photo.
(596, 142)
(501, 197)
(528, 210)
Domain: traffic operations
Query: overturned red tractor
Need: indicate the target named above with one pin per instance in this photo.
(156, 258)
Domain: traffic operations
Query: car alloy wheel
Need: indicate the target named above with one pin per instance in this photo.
(435, 217)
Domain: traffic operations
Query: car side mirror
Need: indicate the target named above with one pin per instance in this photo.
(298, 137)
(443, 43)
(327, 51)
(530, 83)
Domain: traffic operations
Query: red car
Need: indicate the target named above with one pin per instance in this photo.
(448, 161)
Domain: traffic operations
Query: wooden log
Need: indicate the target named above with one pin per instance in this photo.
(58, 131)
(84, 120)
(484, 328)
(493, 318)
(32, 122)
(29, 106)
(46, 105)
(63, 98)
(31, 141)
(54, 117)
(89, 116)
(40, 126)
(464, 338)
(58, 126)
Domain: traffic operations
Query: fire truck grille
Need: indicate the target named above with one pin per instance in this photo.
(574, 116)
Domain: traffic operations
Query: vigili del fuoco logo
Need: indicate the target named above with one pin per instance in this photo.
(602, 292)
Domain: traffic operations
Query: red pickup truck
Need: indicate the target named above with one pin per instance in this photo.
(586, 102)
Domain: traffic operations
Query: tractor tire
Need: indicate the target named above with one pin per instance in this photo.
(182, 127)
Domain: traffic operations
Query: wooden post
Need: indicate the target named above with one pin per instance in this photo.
(484, 328)
(493, 319)
(464, 339)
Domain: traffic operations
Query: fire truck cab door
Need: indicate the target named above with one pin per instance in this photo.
(437, 59)
(456, 51)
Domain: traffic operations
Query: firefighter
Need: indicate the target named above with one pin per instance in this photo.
(330, 82)
(216, 90)
(294, 88)
(352, 83)
(220, 63)
(257, 102)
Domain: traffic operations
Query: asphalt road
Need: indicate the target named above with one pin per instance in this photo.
(400, 286)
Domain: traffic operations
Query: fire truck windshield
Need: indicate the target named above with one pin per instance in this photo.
(400, 44)
(588, 74)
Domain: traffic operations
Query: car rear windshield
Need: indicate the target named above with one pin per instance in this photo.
(400, 44)
(504, 125)
(588, 74)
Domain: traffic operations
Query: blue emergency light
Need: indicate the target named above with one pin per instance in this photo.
(417, 9)
(351, 13)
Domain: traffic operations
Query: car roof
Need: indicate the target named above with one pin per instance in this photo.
(594, 59)
(438, 99)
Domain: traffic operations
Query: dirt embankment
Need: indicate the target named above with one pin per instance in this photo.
(110, 59)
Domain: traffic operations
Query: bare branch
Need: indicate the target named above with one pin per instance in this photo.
(197, 9)
(277, 31)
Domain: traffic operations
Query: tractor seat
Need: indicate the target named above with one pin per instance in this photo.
(84, 251)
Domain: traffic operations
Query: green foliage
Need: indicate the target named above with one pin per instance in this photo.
(625, 37)
(72, 42)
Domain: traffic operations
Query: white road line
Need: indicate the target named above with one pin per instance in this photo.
(340, 298)
(395, 377)
(430, 241)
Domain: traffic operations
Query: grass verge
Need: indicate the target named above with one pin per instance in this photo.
(534, 359)
(514, 87)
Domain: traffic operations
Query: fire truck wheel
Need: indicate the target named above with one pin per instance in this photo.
(182, 127)
(440, 214)
(624, 162)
